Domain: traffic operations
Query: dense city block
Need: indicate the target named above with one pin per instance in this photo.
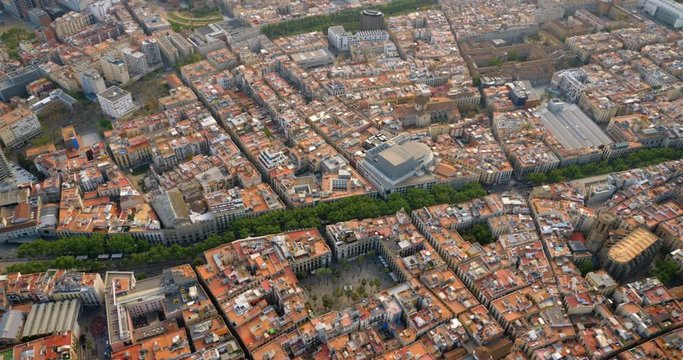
(396, 180)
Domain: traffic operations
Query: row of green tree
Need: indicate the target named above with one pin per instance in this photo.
(352, 208)
(349, 18)
(156, 254)
(63, 252)
(638, 158)
(92, 246)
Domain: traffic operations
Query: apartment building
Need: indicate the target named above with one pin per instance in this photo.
(115, 70)
(18, 126)
(115, 102)
(71, 23)
(92, 83)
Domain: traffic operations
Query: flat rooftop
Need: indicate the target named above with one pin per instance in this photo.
(313, 54)
(571, 127)
(113, 93)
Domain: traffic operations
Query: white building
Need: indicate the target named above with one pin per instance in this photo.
(18, 126)
(99, 9)
(338, 37)
(115, 102)
(398, 164)
(371, 36)
(343, 40)
(271, 159)
(570, 83)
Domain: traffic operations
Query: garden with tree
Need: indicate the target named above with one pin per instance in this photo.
(13, 37)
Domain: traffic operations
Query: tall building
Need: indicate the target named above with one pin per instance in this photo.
(599, 233)
(135, 61)
(371, 20)
(18, 8)
(38, 17)
(184, 47)
(174, 48)
(338, 37)
(75, 5)
(601, 282)
(115, 70)
(170, 53)
(92, 83)
(5, 171)
(99, 9)
(115, 102)
(150, 47)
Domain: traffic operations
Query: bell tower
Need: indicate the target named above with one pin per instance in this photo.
(597, 235)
